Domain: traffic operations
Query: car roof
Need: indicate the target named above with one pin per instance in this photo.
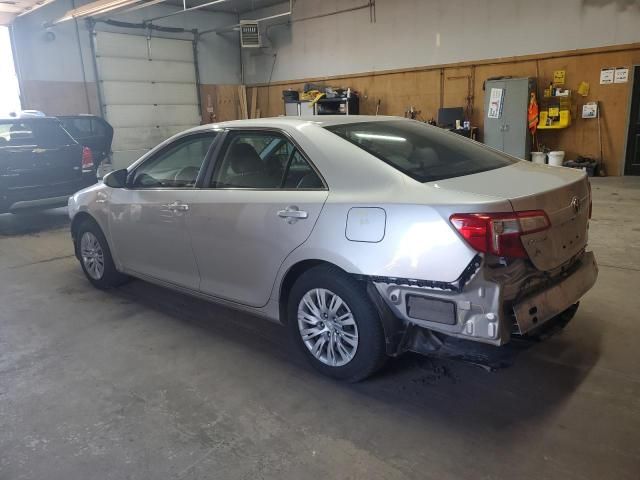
(26, 119)
(295, 122)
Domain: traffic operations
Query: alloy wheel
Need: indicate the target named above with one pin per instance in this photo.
(327, 327)
(92, 255)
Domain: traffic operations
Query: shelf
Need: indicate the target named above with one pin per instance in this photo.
(563, 122)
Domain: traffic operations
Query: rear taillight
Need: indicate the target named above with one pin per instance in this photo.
(87, 158)
(499, 233)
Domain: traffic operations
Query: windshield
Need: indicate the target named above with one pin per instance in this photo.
(423, 152)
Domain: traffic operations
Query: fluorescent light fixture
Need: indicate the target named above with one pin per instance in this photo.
(94, 8)
(140, 6)
(375, 136)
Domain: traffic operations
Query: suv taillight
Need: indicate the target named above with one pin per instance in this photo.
(499, 233)
(87, 158)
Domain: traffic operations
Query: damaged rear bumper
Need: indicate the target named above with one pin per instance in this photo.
(494, 304)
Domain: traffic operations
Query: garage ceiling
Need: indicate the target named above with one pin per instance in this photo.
(10, 9)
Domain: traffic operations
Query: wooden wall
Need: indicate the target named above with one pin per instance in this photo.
(429, 88)
(59, 98)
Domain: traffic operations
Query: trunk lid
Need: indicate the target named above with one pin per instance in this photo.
(562, 193)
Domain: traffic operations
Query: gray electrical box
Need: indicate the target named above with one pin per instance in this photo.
(506, 127)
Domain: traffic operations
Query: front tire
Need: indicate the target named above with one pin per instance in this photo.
(335, 324)
(95, 257)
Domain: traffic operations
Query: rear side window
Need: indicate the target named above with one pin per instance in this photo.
(46, 133)
(423, 152)
(263, 160)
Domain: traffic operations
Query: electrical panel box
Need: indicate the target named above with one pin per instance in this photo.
(506, 127)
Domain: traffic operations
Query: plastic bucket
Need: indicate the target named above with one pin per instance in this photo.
(539, 157)
(556, 158)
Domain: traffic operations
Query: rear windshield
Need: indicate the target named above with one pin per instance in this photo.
(423, 152)
(45, 133)
(84, 127)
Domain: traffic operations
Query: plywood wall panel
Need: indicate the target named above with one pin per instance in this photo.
(426, 89)
(60, 98)
(222, 99)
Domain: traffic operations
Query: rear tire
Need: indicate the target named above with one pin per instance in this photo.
(335, 324)
(95, 257)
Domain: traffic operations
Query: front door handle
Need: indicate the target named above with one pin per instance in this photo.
(177, 206)
(292, 214)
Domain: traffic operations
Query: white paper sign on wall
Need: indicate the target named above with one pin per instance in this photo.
(590, 110)
(495, 103)
(607, 75)
(621, 75)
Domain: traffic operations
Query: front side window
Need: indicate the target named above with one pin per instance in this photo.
(263, 160)
(175, 166)
(423, 152)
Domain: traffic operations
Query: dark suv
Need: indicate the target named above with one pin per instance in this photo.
(41, 165)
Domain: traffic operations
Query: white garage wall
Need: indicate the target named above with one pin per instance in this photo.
(411, 33)
(149, 91)
(59, 60)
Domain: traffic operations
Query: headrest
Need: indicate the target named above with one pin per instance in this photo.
(245, 159)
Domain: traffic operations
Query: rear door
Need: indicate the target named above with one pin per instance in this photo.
(37, 152)
(260, 202)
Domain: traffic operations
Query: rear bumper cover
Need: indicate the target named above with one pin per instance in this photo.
(496, 302)
(538, 308)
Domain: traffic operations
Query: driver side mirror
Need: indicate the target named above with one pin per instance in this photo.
(116, 179)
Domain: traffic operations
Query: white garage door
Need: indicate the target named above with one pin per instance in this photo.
(149, 91)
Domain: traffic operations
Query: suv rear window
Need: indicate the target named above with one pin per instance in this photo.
(46, 133)
(84, 127)
(423, 152)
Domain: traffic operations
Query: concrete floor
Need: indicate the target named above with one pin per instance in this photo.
(143, 383)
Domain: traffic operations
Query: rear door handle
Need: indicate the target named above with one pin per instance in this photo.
(177, 206)
(292, 214)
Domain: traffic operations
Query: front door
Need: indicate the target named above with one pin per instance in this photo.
(148, 219)
(632, 164)
(261, 202)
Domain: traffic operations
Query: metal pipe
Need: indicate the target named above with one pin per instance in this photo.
(197, 69)
(92, 36)
(81, 55)
(187, 10)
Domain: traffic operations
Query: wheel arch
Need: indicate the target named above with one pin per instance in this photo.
(85, 216)
(293, 273)
(78, 219)
(393, 327)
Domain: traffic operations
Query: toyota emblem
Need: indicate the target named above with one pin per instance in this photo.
(575, 204)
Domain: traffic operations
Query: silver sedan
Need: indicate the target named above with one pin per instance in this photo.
(366, 236)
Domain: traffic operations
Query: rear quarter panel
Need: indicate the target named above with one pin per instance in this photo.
(419, 241)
